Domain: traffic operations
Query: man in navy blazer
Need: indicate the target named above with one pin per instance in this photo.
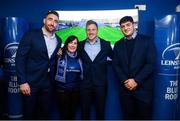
(94, 52)
(35, 64)
(134, 62)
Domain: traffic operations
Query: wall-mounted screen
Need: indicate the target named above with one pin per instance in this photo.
(73, 23)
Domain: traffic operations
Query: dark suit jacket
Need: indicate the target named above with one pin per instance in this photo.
(32, 61)
(95, 72)
(142, 66)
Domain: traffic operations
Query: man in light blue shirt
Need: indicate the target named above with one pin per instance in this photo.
(92, 48)
(94, 52)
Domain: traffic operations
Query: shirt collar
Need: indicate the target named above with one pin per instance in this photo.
(133, 36)
(45, 33)
(96, 41)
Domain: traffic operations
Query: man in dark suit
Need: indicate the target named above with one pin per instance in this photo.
(35, 61)
(94, 52)
(133, 62)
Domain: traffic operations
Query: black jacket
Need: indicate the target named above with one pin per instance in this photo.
(95, 72)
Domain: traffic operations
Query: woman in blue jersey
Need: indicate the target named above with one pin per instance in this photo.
(68, 75)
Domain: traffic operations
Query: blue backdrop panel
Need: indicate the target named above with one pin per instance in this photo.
(2, 94)
(178, 106)
(113, 108)
(166, 79)
(13, 31)
(1, 48)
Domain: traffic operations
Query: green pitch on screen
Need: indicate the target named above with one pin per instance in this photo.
(108, 33)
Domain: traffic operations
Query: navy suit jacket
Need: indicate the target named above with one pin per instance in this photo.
(95, 72)
(142, 66)
(32, 61)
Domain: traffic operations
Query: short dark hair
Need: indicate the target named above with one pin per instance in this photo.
(126, 19)
(89, 22)
(52, 12)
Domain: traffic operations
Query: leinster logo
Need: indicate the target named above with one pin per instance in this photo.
(171, 56)
(9, 56)
(172, 49)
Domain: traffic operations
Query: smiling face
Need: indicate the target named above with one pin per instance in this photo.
(127, 28)
(72, 46)
(51, 22)
(91, 31)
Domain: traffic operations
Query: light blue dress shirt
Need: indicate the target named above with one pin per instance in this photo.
(92, 49)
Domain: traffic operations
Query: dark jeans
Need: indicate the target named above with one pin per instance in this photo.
(37, 105)
(97, 96)
(68, 102)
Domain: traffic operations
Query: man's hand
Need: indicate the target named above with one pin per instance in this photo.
(59, 53)
(25, 89)
(130, 84)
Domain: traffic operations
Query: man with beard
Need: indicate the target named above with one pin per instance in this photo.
(35, 63)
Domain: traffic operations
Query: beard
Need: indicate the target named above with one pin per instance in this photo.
(50, 28)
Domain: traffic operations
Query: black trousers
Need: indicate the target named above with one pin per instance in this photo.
(97, 96)
(1, 98)
(37, 105)
(134, 109)
(68, 102)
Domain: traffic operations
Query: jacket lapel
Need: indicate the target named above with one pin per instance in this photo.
(57, 48)
(102, 48)
(84, 52)
(44, 47)
(125, 53)
(135, 52)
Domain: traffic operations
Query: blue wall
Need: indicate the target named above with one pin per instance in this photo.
(33, 10)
